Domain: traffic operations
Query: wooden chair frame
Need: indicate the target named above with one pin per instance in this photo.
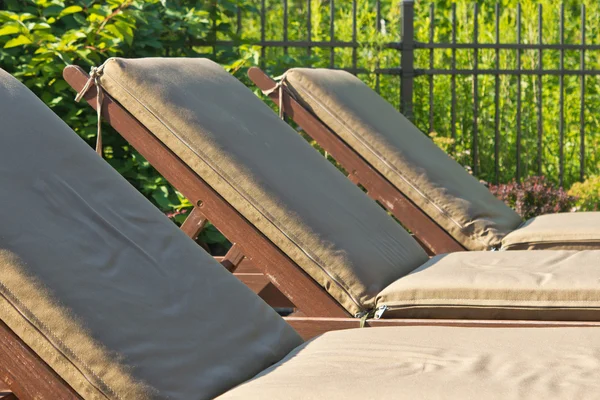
(24, 375)
(319, 312)
(287, 276)
(428, 232)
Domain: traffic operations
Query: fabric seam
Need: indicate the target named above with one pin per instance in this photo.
(529, 242)
(414, 302)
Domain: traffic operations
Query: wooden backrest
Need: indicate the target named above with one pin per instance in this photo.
(275, 180)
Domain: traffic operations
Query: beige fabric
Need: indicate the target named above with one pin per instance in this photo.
(293, 195)
(405, 156)
(534, 285)
(436, 363)
(567, 231)
(103, 286)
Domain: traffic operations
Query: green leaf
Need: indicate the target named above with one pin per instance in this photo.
(7, 16)
(9, 29)
(80, 19)
(211, 235)
(126, 32)
(52, 11)
(26, 16)
(39, 26)
(115, 31)
(70, 10)
(20, 40)
(180, 218)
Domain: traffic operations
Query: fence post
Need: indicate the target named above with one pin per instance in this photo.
(407, 71)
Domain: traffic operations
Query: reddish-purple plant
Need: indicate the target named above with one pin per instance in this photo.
(534, 196)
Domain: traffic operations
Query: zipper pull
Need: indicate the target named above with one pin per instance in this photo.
(380, 311)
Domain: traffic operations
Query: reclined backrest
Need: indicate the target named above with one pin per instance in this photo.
(405, 156)
(108, 291)
(270, 175)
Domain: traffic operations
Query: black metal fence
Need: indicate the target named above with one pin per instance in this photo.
(408, 75)
(407, 71)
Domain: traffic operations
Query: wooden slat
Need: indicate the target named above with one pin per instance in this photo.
(194, 223)
(233, 258)
(25, 374)
(255, 281)
(435, 239)
(286, 275)
(262, 286)
(245, 266)
(311, 327)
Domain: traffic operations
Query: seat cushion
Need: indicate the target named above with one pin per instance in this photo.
(436, 363)
(273, 177)
(567, 231)
(540, 285)
(405, 156)
(108, 291)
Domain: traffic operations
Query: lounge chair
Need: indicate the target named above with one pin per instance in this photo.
(331, 250)
(102, 297)
(430, 193)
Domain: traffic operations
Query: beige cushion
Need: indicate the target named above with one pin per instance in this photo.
(534, 285)
(273, 177)
(567, 231)
(436, 363)
(405, 156)
(103, 286)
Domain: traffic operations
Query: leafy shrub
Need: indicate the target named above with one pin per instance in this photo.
(587, 193)
(534, 196)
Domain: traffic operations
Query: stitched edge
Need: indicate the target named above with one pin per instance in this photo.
(489, 300)
(533, 242)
